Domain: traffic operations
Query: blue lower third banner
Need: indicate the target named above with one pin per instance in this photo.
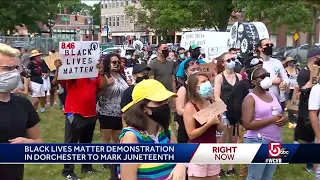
(273, 153)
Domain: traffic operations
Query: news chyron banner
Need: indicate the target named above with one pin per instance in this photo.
(274, 153)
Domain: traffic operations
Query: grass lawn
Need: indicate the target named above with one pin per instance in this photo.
(52, 128)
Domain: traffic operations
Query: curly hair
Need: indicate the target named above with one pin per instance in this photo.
(106, 62)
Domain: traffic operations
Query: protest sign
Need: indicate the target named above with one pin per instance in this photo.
(315, 75)
(293, 104)
(49, 60)
(214, 109)
(50, 63)
(79, 59)
(208, 68)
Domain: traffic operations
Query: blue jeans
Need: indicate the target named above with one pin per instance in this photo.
(260, 171)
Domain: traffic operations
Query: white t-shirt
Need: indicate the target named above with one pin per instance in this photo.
(276, 69)
(314, 98)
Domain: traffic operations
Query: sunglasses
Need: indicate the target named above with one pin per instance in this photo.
(115, 62)
(269, 45)
(229, 60)
(9, 68)
(262, 76)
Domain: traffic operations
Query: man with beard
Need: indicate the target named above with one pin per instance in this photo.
(273, 66)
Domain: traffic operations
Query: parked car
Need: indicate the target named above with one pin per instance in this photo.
(279, 52)
(300, 53)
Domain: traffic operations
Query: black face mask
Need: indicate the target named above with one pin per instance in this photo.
(161, 115)
(317, 62)
(195, 54)
(139, 79)
(165, 53)
(267, 50)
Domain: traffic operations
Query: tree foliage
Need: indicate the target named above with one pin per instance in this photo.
(295, 14)
(173, 15)
(96, 13)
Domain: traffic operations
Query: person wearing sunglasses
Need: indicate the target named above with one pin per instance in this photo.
(223, 85)
(19, 120)
(263, 118)
(273, 66)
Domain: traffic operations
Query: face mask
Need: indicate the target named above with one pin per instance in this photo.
(266, 83)
(161, 115)
(182, 56)
(9, 81)
(231, 65)
(38, 58)
(139, 79)
(317, 63)
(165, 53)
(195, 54)
(128, 57)
(238, 54)
(206, 89)
(267, 50)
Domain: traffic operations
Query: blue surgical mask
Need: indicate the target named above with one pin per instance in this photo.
(238, 54)
(206, 89)
(231, 65)
(182, 56)
(128, 57)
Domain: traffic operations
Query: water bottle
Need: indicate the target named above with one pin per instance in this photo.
(274, 111)
(70, 117)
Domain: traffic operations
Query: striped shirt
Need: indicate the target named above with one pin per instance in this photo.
(150, 171)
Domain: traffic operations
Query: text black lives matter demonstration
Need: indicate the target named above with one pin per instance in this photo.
(79, 59)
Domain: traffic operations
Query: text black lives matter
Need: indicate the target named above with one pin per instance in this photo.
(77, 63)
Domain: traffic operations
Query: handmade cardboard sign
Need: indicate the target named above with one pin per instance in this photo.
(315, 75)
(79, 59)
(214, 109)
(208, 68)
(293, 104)
(50, 63)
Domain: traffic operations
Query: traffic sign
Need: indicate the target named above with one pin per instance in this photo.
(296, 36)
(65, 18)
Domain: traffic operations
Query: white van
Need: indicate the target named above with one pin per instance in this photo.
(212, 43)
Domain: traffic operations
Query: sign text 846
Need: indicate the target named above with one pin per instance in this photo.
(70, 45)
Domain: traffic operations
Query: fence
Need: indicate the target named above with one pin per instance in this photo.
(40, 43)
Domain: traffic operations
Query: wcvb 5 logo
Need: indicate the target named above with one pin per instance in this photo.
(275, 150)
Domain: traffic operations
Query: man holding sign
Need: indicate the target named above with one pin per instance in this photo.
(77, 71)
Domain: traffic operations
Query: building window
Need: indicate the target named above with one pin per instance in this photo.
(118, 21)
(122, 20)
(113, 21)
(127, 3)
(127, 23)
(102, 5)
(110, 22)
(113, 4)
(118, 4)
(121, 3)
(107, 22)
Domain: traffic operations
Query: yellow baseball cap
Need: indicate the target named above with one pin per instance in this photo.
(149, 89)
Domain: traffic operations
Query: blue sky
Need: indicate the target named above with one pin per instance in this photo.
(92, 2)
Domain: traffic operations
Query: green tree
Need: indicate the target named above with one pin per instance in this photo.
(96, 14)
(298, 16)
(76, 7)
(172, 15)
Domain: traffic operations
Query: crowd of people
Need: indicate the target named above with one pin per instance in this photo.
(170, 86)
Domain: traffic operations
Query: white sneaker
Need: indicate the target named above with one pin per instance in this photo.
(42, 110)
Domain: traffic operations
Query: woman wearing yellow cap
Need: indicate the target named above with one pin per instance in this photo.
(148, 120)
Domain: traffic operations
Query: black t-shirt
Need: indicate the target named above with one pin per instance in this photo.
(126, 96)
(303, 77)
(35, 75)
(17, 116)
(241, 90)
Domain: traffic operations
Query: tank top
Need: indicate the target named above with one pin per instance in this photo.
(109, 103)
(209, 136)
(263, 110)
(226, 88)
(292, 80)
(149, 171)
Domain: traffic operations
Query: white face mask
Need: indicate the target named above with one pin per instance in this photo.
(266, 83)
(9, 81)
(128, 57)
